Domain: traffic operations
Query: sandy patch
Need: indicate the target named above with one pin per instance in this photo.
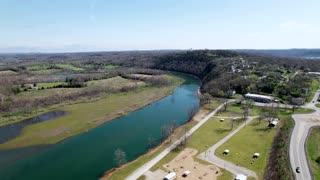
(200, 115)
(185, 161)
(311, 118)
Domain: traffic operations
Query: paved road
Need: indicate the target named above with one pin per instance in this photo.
(209, 155)
(299, 135)
(141, 170)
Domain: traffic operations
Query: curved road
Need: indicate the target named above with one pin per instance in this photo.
(209, 155)
(297, 152)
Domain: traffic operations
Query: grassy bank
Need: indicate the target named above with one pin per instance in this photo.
(313, 149)
(87, 115)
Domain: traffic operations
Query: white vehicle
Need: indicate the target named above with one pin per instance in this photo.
(186, 173)
(170, 176)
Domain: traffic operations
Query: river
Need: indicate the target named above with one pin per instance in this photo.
(88, 155)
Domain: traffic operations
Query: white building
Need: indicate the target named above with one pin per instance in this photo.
(259, 98)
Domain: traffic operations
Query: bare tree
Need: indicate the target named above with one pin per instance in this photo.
(192, 112)
(167, 130)
(120, 157)
(246, 108)
(151, 141)
(225, 105)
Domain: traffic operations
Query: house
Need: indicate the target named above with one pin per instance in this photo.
(259, 98)
(298, 101)
(241, 177)
(170, 176)
(230, 93)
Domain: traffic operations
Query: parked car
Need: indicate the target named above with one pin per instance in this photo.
(298, 169)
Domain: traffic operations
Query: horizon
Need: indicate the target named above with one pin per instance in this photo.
(96, 25)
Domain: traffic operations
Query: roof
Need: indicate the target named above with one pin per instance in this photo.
(170, 175)
(241, 177)
(259, 96)
(274, 122)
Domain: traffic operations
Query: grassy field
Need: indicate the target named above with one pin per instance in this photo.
(38, 67)
(318, 105)
(234, 109)
(69, 66)
(314, 87)
(84, 116)
(253, 138)
(313, 149)
(49, 85)
(110, 67)
(7, 72)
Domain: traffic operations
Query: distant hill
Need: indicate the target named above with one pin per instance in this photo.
(295, 53)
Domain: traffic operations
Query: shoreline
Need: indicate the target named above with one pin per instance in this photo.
(153, 151)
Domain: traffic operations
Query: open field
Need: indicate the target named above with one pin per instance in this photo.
(313, 151)
(253, 138)
(38, 67)
(7, 72)
(87, 115)
(314, 87)
(110, 67)
(69, 66)
(48, 85)
(234, 109)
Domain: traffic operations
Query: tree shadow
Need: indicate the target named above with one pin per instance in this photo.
(221, 130)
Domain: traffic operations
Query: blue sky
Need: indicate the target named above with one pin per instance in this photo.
(95, 25)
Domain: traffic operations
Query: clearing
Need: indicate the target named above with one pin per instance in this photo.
(255, 137)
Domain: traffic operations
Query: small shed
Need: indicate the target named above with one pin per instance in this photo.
(273, 123)
(256, 155)
(225, 152)
(241, 177)
(170, 176)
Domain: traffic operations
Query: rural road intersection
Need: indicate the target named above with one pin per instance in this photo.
(303, 124)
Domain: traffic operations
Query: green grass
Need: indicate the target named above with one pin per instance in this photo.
(226, 175)
(314, 87)
(49, 85)
(69, 66)
(142, 177)
(253, 138)
(214, 103)
(207, 135)
(87, 115)
(318, 105)
(303, 111)
(234, 109)
(38, 67)
(110, 66)
(313, 148)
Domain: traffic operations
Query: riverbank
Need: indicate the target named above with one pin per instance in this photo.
(125, 170)
(87, 115)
